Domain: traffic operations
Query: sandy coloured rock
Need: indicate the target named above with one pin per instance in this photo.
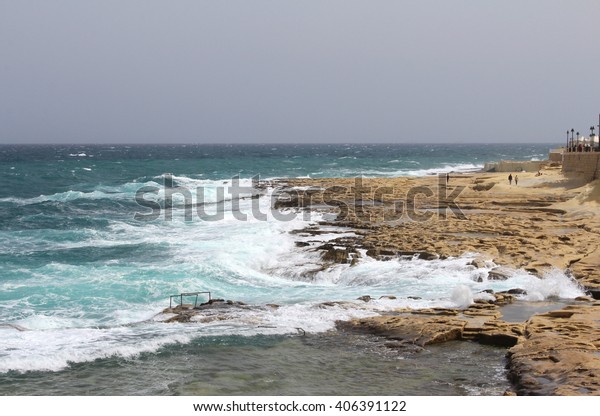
(549, 221)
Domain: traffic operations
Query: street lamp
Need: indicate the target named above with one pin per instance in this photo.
(592, 137)
(568, 147)
(599, 129)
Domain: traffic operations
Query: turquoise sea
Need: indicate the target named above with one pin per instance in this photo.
(82, 279)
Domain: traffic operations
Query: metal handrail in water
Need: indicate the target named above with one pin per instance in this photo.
(181, 295)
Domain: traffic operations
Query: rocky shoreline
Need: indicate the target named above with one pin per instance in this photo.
(553, 353)
(548, 221)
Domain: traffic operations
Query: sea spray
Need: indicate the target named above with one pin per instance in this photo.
(462, 296)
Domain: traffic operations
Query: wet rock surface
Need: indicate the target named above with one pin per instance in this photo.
(559, 353)
(214, 309)
(554, 353)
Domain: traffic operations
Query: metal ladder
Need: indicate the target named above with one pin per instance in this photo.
(181, 295)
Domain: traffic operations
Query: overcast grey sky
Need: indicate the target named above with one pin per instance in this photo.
(90, 71)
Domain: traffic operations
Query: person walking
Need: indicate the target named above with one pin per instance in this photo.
(510, 179)
(516, 180)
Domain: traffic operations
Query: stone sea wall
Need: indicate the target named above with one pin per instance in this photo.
(513, 166)
(555, 155)
(582, 163)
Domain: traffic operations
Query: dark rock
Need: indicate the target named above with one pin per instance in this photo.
(378, 252)
(480, 264)
(336, 255)
(373, 252)
(365, 298)
(325, 305)
(288, 201)
(326, 246)
(181, 318)
(302, 244)
(498, 339)
(516, 291)
(498, 274)
(594, 293)
(428, 256)
(308, 231)
(483, 186)
(218, 304)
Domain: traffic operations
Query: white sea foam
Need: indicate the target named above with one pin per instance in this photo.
(200, 190)
(51, 343)
(54, 350)
(462, 296)
(449, 168)
(461, 168)
(553, 284)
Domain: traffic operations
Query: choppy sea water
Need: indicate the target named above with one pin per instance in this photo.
(82, 280)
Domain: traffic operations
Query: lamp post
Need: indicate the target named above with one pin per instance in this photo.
(572, 140)
(592, 137)
(568, 148)
(599, 130)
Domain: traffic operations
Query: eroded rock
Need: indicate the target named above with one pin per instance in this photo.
(559, 353)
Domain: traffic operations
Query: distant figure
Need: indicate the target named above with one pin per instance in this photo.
(510, 179)
(516, 180)
(447, 178)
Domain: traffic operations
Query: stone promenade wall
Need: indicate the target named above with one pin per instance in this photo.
(586, 164)
(513, 166)
(555, 155)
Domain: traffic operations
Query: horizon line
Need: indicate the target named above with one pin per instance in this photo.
(264, 143)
